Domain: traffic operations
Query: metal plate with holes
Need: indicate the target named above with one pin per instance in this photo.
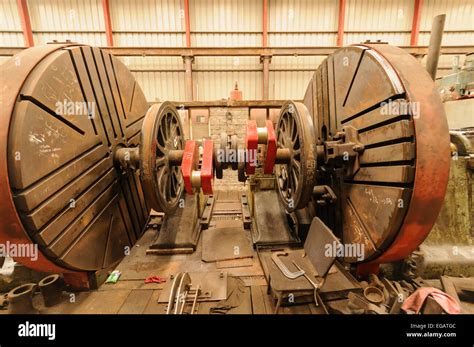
(391, 203)
(67, 108)
(213, 286)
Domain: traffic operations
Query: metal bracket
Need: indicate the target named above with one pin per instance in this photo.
(344, 151)
(283, 268)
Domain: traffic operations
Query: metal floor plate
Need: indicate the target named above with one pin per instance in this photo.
(225, 244)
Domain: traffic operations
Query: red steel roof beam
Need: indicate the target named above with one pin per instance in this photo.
(25, 23)
(415, 27)
(187, 23)
(340, 23)
(108, 23)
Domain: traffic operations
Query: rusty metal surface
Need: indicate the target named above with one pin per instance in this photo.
(315, 246)
(295, 179)
(270, 225)
(57, 170)
(161, 133)
(225, 244)
(391, 203)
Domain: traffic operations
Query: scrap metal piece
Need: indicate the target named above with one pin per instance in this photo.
(173, 291)
(357, 301)
(318, 239)
(181, 293)
(20, 299)
(52, 288)
(373, 295)
(289, 274)
(178, 293)
(213, 286)
(198, 290)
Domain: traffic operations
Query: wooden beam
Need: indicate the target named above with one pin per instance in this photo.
(108, 23)
(25, 23)
(340, 22)
(415, 26)
(187, 23)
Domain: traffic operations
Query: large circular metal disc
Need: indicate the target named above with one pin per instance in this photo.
(295, 132)
(162, 132)
(64, 111)
(391, 203)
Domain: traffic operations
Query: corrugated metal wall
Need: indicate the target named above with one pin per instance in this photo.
(286, 84)
(158, 85)
(148, 22)
(214, 77)
(75, 20)
(226, 23)
(302, 22)
(459, 17)
(387, 20)
(10, 25)
(298, 23)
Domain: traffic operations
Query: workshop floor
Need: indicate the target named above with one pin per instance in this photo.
(131, 295)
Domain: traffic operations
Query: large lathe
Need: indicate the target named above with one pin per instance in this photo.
(368, 148)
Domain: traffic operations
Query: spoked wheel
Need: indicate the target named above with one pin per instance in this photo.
(295, 180)
(162, 141)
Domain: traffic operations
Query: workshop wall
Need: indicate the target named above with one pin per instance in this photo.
(232, 23)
